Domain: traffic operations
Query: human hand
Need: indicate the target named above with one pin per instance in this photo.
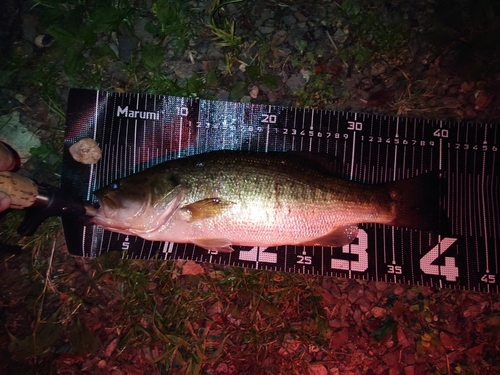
(4, 201)
(7, 163)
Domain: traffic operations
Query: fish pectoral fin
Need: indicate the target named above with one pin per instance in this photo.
(222, 245)
(340, 236)
(206, 208)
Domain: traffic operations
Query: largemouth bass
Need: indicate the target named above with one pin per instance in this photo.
(224, 198)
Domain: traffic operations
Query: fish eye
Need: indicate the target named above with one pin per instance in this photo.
(115, 185)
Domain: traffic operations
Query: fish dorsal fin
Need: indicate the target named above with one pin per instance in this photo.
(340, 236)
(222, 245)
(206, 208)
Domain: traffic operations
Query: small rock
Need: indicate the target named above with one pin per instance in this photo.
(300, 17)
(127, 44)
(43, 40)
(378, 67)
(140, 30)
(85, 151)
(279, 37)
(391, 359)
(363, 304)
(254, 92)
(381, 286)
(378, 312)
(289, 20)
(214, 53)
(296, 82)
(306, 74)
(266, 14)
(399, 290)
(266, 29)
(339, 36)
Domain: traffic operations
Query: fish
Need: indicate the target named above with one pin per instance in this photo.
(222, 199)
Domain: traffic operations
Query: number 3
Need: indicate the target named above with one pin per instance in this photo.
(359, 249)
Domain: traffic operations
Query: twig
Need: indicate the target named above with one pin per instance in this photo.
(331, 41)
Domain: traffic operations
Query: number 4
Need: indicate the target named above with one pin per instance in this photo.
(449, 270)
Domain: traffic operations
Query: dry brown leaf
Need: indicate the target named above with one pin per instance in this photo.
(449, 342)
(110, 348)
(317, 369)
(475, 353)
(192, 268)
(402, 339)
(339, 339)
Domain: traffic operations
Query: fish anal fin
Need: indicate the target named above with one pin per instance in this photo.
(222, 245)
(338, 237)
(206, 208)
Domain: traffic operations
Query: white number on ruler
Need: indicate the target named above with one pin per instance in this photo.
(442, 133)
(487, 278)
(268, 118)
(258, 254)
(304, 259)
(397, 270)
(359, 249)
(352, 125)
(449, 270)
(126, 244)
(182, 111)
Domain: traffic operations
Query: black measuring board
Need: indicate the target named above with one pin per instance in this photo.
(137, 131)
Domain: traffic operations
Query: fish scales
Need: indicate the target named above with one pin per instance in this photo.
(276, 201)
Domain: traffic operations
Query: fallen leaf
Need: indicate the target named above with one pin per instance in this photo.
(482, 100)
(339, 339)
(449, 342)
(493, 320)
(317, 370)
(402, 339)
(192, 268)
(111, 347)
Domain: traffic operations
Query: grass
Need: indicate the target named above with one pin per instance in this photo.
(189, 321)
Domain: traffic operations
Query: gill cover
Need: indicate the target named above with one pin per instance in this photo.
(139, 203)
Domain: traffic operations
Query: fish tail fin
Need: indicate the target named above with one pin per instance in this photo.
(418, 202)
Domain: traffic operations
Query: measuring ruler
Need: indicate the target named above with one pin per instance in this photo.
(138, 131)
